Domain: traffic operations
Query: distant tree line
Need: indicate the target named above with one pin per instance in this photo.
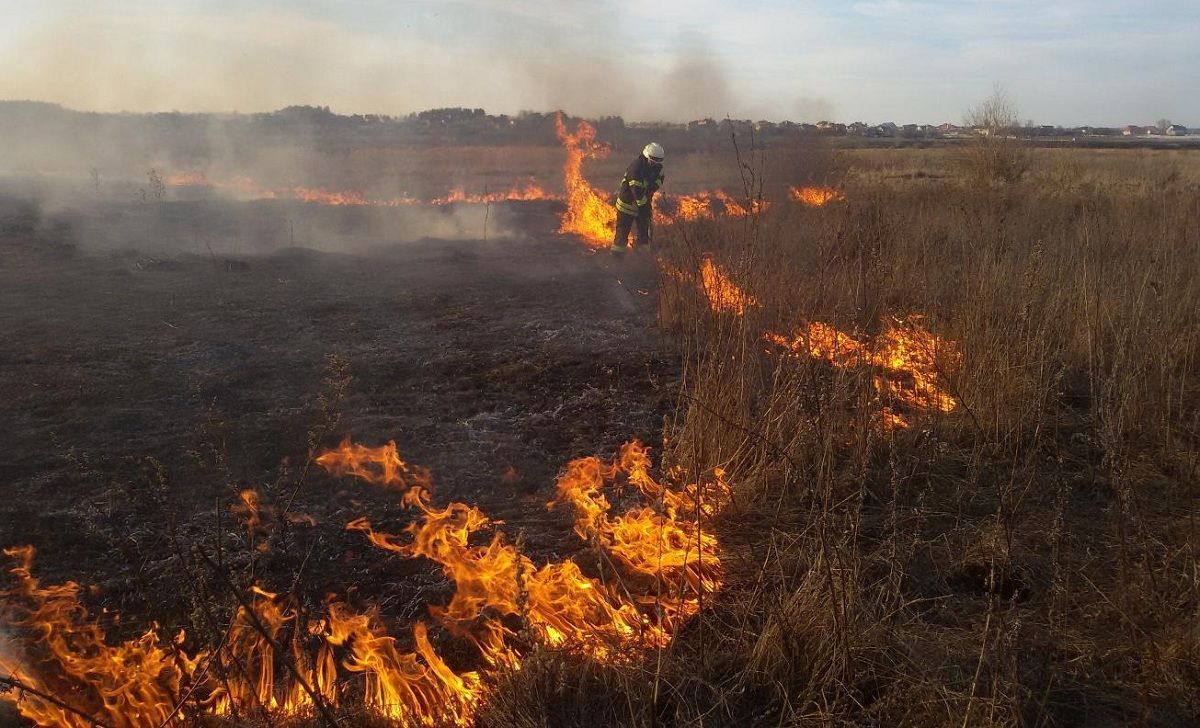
(320, 127)
(38, 131)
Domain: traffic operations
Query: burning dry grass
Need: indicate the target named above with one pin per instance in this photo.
(961, 428)
(281, 661)
(246, 188)
(1009, 549)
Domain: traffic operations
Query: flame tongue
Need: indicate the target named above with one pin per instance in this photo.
(561, 605)
(274, 661)
(588, 214)
(528, 192)
(815, 196)
(415, 687)
(909, 357)
(131, 684)
(722, 293)
(668, 545)
(248, 188)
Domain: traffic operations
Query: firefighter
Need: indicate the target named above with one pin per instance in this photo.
(635, 198)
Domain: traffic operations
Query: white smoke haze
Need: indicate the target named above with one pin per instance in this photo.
(811, 109)
(1069, 63)
(213, 222)
(253, 61)
(189, 59)
(695, 84)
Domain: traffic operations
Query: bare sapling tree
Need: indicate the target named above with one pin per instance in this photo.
(1000, 151)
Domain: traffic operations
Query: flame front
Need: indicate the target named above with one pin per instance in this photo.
(134, 683)
(589, 215)
(277, 662)
(722, 293)
(667, 545)
(815, 196)
(527, 192)
(247, 188)
(909, 357)
(557, 602)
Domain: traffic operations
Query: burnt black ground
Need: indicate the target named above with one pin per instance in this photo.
(142, 386)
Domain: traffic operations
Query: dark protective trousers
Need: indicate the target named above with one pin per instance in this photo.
(625, 223)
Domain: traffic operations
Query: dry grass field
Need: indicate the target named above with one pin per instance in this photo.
(1028, 558)
(959, 420)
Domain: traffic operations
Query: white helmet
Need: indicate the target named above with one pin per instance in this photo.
(654, 152)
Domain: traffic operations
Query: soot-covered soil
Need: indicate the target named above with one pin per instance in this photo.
(140, 392)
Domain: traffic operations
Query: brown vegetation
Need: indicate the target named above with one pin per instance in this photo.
(1028, 557)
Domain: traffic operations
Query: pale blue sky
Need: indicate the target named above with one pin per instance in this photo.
(1072, 62)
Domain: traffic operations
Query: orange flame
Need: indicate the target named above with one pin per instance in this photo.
(733, 208)
(417, 688)
(687, 207)
(588, 215)
(325, 197)
(667, 545)
(134, 683)
(247, 188)
(816, 196)
(907, 348)
(187, 179)
(664, 558)
(722, 293)
(250, 658)
(663, 555)
(910, 357)
(528, 192)
(257, 517)
(705, 206)
(557, 602)
(658, 560)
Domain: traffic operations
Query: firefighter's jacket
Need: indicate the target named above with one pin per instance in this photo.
(638, 186)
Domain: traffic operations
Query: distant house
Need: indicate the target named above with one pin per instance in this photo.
(948, 129)
(1177, 130)
(1133, 130)
(856, 129)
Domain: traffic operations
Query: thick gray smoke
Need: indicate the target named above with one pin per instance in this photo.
(695, 86)
(685, 81)
(812, 109)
